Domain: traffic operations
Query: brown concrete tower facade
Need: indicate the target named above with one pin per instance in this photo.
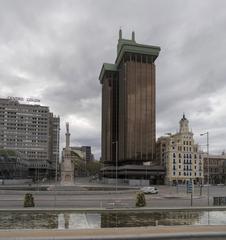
(128, 104)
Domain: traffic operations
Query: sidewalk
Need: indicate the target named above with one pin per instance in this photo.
(116, 232)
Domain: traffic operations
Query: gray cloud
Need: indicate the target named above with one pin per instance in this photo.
(54, 50)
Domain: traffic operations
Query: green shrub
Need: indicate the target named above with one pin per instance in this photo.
(29, 200)
(140, 200)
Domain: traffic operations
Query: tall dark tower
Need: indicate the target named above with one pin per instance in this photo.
(128, 104)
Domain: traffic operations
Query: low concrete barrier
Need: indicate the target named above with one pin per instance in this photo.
(15, 181)
(219, 201)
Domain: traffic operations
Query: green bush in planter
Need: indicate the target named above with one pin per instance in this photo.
(29, 200)
(140, 200)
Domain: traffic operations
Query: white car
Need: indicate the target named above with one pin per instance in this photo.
(151, 190)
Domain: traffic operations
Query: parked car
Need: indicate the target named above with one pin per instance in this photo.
(149, 190)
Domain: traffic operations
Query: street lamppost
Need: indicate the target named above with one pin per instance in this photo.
(57, 157)
(116, 165)
(208, 166)
(57, 164)
(167, 166)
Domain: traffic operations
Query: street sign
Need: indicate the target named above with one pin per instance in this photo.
(189, 187)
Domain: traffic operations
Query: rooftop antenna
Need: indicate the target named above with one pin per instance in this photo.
(120, 32)
(133, 36)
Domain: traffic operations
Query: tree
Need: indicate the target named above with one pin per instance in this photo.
(7, 152)
(93, 167)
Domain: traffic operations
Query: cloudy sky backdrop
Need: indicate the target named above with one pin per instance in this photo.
(53, 50)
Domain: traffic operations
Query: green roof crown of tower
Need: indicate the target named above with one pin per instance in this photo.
(128, 46)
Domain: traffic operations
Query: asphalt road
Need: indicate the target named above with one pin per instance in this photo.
(167, 197)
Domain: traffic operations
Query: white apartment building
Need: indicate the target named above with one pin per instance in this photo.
(32, 131)
(180, 156)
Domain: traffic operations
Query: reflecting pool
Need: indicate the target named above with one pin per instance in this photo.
(80, 220)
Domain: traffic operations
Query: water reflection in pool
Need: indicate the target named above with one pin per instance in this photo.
(77, 220)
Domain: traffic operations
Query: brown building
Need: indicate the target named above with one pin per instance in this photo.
(217, 169)
(128, 104)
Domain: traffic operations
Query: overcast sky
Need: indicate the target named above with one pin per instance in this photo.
(54, 50)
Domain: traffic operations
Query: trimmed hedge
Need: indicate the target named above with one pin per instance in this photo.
(29, 200)
(140, 200)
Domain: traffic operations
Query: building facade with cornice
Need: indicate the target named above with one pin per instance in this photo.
(215, 168)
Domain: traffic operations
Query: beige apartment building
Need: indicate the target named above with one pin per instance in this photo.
(180, 156)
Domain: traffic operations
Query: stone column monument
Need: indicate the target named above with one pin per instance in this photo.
(67, 169)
